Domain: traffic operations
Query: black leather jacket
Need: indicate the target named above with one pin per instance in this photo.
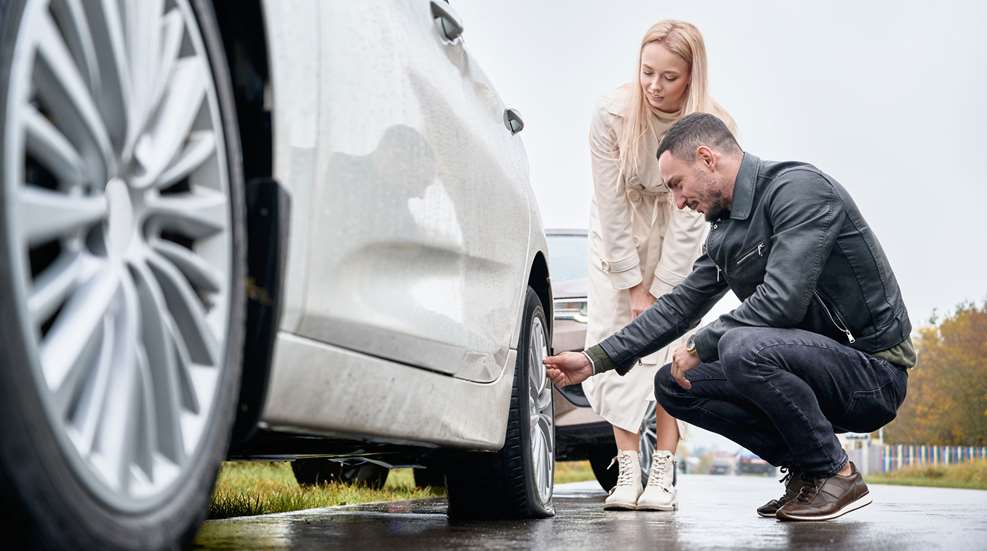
(797, 252)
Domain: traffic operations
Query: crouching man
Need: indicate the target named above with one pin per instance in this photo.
(819, 344)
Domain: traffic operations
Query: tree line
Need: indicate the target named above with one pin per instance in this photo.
(947, 389)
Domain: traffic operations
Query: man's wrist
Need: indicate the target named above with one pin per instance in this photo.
(599, 359)
(592, 364)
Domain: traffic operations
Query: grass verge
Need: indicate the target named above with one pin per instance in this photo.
(573, 471)
(259, 487)
(246, 488)
(965, 475)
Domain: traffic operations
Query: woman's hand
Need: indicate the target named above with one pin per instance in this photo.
(567, 368)
(641, 299)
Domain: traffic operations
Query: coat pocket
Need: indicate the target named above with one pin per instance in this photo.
(758, 250)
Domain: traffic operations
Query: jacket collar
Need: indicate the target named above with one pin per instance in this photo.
(743, 187)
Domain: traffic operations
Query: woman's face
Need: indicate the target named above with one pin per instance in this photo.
(664, 77)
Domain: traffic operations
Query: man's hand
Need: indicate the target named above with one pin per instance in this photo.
(641, 299)
(682, 361)
(567, 368)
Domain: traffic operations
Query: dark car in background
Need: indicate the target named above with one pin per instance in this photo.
(580, 434)
(749, 463)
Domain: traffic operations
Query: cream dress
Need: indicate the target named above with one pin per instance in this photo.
(636, 234)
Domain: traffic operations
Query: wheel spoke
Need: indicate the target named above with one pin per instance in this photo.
(201, 146)
(115, 446)
(162, 362)
(52, 149)
(86, 414)
(170, 128)
(148, 436)
(186, 309)
(76, 326)
(198, 215)
(45, 214)
(53, 285)
(172, 28)
(108, 40)
(195, 268)
(71, 18)
(66, 92)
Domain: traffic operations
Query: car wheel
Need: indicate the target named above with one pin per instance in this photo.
(310, 472)
(517, 481)
(600, 458)
(121, 271)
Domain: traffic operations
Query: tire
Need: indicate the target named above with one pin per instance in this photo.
(600, 458)
(517, 481)
(125, 456)
(312, 472)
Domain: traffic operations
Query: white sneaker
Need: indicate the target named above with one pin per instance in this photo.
(625, 493)
(660, 495)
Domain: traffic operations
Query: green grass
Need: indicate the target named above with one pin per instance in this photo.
(246, 488)
(573, 471)
(258, 487)
(965, 475)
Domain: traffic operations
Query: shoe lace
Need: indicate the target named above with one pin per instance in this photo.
(809, 490)
(790, 480)
(660, 473)
(625, 464)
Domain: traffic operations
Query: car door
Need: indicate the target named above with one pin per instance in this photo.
(419, 214)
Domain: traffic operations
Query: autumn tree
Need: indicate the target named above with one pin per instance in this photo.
(947, 389)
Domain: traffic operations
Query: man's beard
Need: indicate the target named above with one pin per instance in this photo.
(714, 198)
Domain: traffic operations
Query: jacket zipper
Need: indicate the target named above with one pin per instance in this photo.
(843, 328)
(759, 250)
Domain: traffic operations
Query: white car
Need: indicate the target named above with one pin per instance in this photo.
(283, 229)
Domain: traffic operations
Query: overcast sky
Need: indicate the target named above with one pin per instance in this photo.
(888, 97)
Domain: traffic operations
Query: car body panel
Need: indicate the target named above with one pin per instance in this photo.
(411, 149)
(307, 397)
(414, 228)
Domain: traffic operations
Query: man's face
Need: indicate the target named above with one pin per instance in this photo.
(695, 184)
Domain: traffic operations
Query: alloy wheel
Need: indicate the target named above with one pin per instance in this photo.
(118, 202)
(541, 417)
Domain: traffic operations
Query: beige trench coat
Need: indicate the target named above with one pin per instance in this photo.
(636, 234)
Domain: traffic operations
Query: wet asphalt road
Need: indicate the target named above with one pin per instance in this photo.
(716, 512)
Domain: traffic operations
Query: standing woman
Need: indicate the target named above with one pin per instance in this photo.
(641, 246)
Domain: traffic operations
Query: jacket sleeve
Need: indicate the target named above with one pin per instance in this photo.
(679, 248)
(668, 318)
(620, 259)
(806, 214)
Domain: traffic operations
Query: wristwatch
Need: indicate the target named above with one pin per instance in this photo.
(690, 345)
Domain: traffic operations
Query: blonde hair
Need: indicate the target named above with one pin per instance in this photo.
(684, 40)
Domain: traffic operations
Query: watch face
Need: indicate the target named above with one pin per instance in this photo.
(690, 344)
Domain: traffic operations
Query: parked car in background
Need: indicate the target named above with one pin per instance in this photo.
(723, 463)
(581, 434)
(749, 463)
(284, 229)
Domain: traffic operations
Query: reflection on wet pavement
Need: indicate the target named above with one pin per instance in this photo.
(715, 512)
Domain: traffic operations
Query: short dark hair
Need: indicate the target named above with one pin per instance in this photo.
(692, 131)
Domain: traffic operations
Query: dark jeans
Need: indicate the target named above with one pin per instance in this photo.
(784, 393)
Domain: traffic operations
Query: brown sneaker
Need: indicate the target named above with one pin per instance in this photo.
(827, 498)
(793, 483)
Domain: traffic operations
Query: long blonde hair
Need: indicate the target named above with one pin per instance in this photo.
(684, 40)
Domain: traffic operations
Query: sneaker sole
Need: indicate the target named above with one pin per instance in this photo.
(620, 507)
(765, 515)
(861, 501)
(672, 507)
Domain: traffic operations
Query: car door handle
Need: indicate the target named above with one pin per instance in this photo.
(512, 120)
(449, 22)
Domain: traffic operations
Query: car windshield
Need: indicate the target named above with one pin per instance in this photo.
(567, 257)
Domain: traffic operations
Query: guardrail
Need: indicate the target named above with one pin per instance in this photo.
(897, 456)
